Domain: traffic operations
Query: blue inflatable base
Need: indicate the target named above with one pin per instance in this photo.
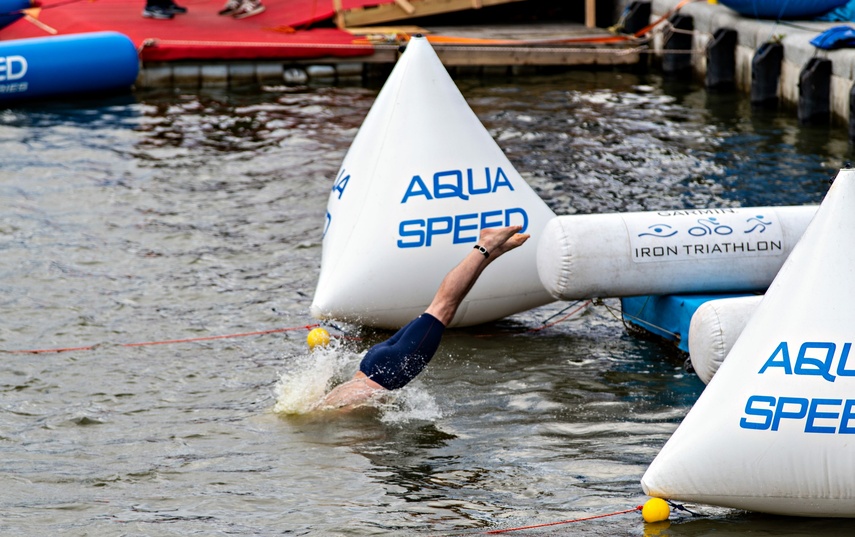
(667, 316)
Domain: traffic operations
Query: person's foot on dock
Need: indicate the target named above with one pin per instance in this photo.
(157, 12)
(176, 9)
(230, 8)
(248, 8)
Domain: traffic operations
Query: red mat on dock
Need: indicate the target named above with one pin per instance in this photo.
(280, 32)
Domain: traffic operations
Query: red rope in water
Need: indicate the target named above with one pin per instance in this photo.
(166, 342)
(230, 336)
(507, 530)
(572, 313)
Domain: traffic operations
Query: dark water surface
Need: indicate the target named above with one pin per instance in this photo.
(175, 215)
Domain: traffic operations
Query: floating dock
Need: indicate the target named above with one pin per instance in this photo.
(297, 41)
(305, 41)
(774, 61)
(374, 51)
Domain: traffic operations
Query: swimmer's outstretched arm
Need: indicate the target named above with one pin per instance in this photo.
(457, 283)
(453, 289)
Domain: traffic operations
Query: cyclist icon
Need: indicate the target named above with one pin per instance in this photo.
(708, 226)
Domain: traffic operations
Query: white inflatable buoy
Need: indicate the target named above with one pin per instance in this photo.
(420, 180)
(667, 252)
(773, 430)
(714, 328)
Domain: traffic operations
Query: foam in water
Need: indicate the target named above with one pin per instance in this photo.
(311, 376)
(411, 403)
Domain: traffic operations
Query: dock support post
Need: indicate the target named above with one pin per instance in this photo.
(680, 43)
(815, 91)
(721, 59)
(852, 113)
(636, 17)
(765, 73)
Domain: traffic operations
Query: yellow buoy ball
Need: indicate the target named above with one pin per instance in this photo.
(656, 510)
(318, 337)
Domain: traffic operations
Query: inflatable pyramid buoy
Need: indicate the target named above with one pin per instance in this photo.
(420, 180)
(774, 429)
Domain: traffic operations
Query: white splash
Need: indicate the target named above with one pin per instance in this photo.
(311, 376)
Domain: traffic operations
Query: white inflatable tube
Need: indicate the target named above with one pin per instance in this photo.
(668, 252)
(714, 328)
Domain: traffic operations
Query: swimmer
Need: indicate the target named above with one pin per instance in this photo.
(392, 364)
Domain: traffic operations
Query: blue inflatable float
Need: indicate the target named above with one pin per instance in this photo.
(45, 67)
(668, 316)
(786, 9)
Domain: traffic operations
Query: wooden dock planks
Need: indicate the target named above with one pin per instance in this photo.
(399, 10)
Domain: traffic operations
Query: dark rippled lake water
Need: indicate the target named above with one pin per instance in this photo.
(189, 214)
